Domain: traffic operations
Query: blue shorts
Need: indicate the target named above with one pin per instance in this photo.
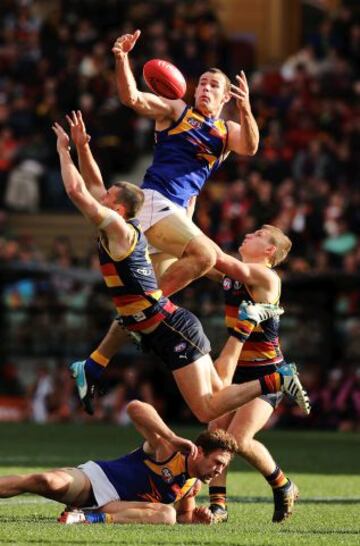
(179, 340)
(243, 374)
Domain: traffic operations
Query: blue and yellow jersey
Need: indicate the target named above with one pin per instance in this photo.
(132, 284)
(138, 477)
(262, 347)
(186, 154)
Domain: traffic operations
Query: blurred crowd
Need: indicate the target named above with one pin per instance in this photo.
(51, 397)
(56, 57)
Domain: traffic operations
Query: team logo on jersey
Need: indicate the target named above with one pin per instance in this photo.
(143, 271)
(167, 475)
(227, 284)
(180, 347)
(195, 123)
(139, 316)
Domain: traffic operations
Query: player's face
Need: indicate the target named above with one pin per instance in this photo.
(110, 199)
(211, 465)
(210, 93)
(256, 245)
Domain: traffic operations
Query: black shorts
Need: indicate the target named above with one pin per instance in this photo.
(244, 374)
(179, 340)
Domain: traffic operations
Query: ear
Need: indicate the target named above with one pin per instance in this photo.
(270, 251)
(120, 209)
(227, 97)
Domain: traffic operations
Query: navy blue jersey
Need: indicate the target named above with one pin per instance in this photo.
(186, 154)
(138, 477)
(262, 347)
(132, 283)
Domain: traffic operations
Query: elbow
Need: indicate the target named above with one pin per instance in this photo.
(72, 192)
(253, 149)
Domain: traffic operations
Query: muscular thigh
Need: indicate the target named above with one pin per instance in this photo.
(250, 418)
(194, 381)
(161, 262)
(79, 486)
(172, 234)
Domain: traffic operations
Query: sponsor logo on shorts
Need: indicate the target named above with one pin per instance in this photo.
(180, 347)
(237, 285)
(167, 475)
(143, 271)
(227, 283)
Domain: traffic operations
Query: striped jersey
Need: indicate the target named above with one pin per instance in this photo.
(138, 477)
(132, 284)
(262, 347)
(186, 154)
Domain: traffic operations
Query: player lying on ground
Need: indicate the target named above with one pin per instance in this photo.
(259, 354)
(190, 144)
(173, 333)
(156, 483)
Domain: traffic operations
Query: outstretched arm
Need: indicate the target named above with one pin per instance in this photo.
(146, 104)
(244, 272)
(243, 137)
(116, 229)
(89, 169)
(150, 425)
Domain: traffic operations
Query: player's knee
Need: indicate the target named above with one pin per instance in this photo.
(43, 481)
(204, 255)
(166, 515)
(243, 443)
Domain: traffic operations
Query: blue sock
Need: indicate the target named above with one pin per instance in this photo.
(95, 364)
(95, 517)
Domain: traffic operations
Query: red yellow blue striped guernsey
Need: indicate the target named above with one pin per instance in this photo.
(262, 347)
(132, 284)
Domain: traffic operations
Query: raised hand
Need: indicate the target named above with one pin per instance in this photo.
(125, 43)
(240, 92)
(63, 139)
(78, 129)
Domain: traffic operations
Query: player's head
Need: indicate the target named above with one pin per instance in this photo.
(125, 198)
(268, 244)
(215, 451)
(212, 92)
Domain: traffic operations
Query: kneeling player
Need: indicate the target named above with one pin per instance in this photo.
(156, 483)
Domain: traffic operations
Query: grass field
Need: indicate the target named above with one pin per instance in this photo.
(326, 467)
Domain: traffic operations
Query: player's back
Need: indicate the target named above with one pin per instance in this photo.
(138, 477)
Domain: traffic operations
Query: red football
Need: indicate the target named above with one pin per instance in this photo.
(164, 79)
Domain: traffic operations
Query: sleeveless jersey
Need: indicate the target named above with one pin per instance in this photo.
(132, 284)
(186, 154)
(262, 347)
(137, 477)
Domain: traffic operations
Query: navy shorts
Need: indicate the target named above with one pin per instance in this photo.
(243, 374)
(179, 340)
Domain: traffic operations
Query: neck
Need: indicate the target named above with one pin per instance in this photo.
(255, 260)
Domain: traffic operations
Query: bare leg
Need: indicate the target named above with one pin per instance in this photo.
(199, 257)
(161, 262)
(195, 384)
(226, 363)
(140, 512)
(115, 338)
(67, 486)
(247, 421)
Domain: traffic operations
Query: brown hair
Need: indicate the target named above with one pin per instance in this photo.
(131, 196)
(209, 441)
(218, 71)
(280, 241)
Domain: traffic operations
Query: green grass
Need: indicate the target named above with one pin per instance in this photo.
(326, 467)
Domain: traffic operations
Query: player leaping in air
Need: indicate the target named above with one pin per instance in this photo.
(173, 333)
(190, 144)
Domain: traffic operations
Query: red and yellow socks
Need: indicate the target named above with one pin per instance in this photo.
(218, 496)
(277, 478)
(270, 383)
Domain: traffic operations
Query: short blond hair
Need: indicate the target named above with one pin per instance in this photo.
(281, 242)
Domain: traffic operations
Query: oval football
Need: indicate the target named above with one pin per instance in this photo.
(164, 79)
